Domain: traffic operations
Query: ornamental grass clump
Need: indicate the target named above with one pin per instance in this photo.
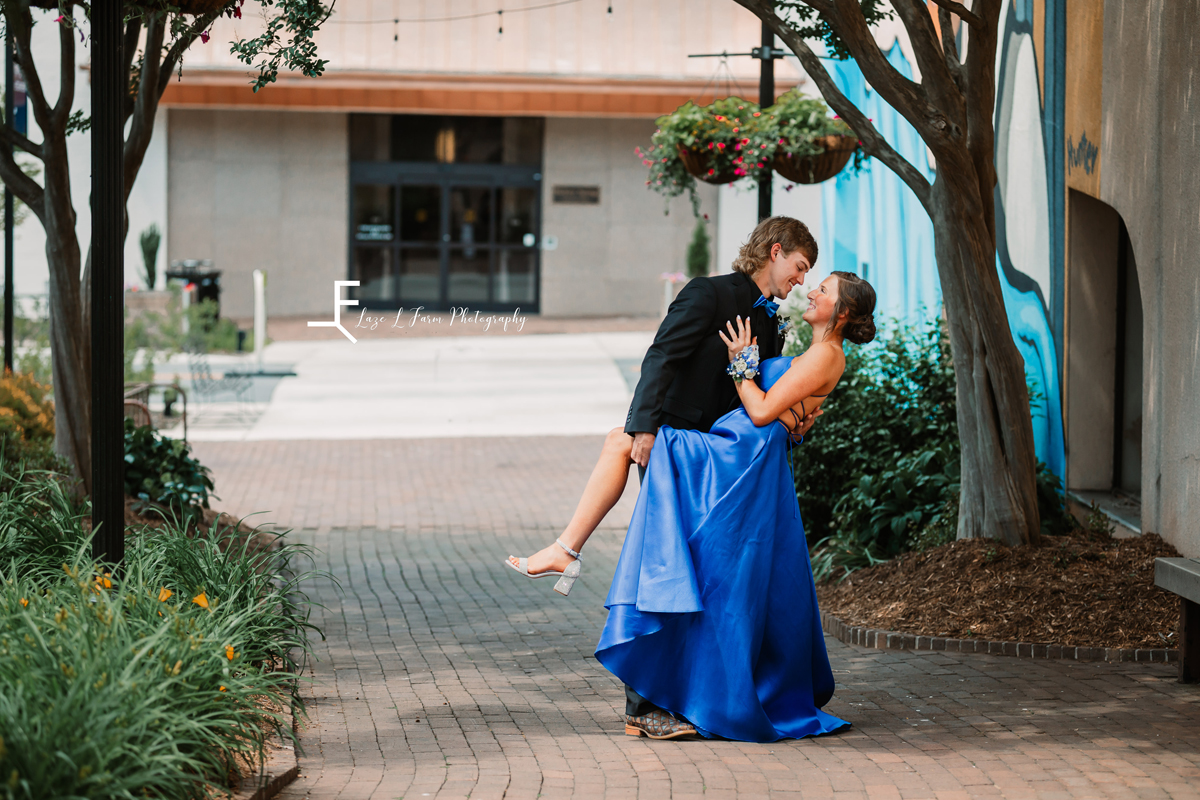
(154, 680)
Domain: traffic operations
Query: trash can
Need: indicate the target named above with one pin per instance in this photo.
(200, 273)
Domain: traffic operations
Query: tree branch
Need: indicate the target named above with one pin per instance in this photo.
(66, 78)
(24, 187)
(9, 136)
(950, 47)
(20, 25)
(967, 16)
(182, 44)
(145, 104)
(133, 32)
(935, 76)
(979, 94)
(873, 143)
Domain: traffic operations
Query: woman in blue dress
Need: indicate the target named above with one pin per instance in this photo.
(712, 612)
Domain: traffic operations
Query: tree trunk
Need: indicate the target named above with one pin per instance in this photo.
(69, 338)
(999, 489)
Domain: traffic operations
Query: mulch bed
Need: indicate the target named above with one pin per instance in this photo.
(1072, 590)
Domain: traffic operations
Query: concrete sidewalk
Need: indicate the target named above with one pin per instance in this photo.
(428, 387)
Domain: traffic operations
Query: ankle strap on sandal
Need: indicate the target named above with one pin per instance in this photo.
(570, 552)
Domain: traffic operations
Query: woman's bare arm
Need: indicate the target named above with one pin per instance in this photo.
(819, 367)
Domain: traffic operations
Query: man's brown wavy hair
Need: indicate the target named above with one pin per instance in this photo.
(791, 234)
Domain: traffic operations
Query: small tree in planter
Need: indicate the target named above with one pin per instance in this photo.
(698, 254)
(150, 240)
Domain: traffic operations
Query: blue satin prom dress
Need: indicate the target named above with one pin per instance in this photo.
(712, 611)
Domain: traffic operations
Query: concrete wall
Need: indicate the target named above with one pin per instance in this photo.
(1150, 146)
(261, 190)
(610, 255)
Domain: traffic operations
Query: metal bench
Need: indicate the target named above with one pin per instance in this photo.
(1181, 576)
(207, 387)
(137, 403)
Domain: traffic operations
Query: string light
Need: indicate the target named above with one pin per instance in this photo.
(458, 17)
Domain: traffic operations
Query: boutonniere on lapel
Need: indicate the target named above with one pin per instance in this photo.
(783, 324)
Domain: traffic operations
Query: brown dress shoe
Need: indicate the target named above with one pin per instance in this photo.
(658, 724)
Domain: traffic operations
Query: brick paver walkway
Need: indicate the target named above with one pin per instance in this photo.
(445, 675)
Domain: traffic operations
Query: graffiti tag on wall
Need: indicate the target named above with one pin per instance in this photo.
(1083, 154)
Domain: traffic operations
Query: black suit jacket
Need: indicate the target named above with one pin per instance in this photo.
(683, 381)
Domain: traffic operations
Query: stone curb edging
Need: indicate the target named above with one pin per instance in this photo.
(891, 640)
(278, 772)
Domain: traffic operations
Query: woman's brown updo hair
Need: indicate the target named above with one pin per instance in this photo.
(856, 297)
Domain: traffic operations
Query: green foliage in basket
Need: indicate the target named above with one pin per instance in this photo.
(737, 141)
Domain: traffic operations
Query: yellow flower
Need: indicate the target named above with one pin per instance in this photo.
(222, 688)
(201, 600)
(164, 594)
(24, 603)
(229, 652)
(103, 580)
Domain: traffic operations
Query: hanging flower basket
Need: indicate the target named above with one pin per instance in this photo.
(816, 168)
(699, 164)
(732, 139)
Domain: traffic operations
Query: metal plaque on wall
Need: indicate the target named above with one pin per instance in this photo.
(579, 195)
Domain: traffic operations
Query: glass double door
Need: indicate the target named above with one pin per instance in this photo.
(446, 241)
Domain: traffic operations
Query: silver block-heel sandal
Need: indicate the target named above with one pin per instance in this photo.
(566, 578)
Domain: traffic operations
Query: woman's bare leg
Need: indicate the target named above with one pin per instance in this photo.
(602, 492)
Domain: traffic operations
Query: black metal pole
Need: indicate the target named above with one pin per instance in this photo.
(766, 97)
(108, 272)
(10, 117)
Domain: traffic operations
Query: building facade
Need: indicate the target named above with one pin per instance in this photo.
(442, 162)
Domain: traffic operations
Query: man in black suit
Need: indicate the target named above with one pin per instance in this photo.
(683, 381)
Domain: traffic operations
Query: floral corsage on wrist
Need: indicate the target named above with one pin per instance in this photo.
(745, 365)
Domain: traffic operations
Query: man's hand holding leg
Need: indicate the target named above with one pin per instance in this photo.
(642, 442)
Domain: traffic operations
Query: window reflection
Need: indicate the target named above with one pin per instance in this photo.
(468, 281)
(420, 274)
(420, 213)
(372, 269)
(374, 213)
(471, 215)
(517, 214)
(515, 277)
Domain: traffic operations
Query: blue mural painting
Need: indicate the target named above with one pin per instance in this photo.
(875, 223)
(877, 228)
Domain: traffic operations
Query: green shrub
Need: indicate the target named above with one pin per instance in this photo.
(885, 508)
(26, 428)
(879, 473)
(150, 684)
(161, 470)
(894, 403)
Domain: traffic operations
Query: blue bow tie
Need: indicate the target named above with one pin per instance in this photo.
(769, 306)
